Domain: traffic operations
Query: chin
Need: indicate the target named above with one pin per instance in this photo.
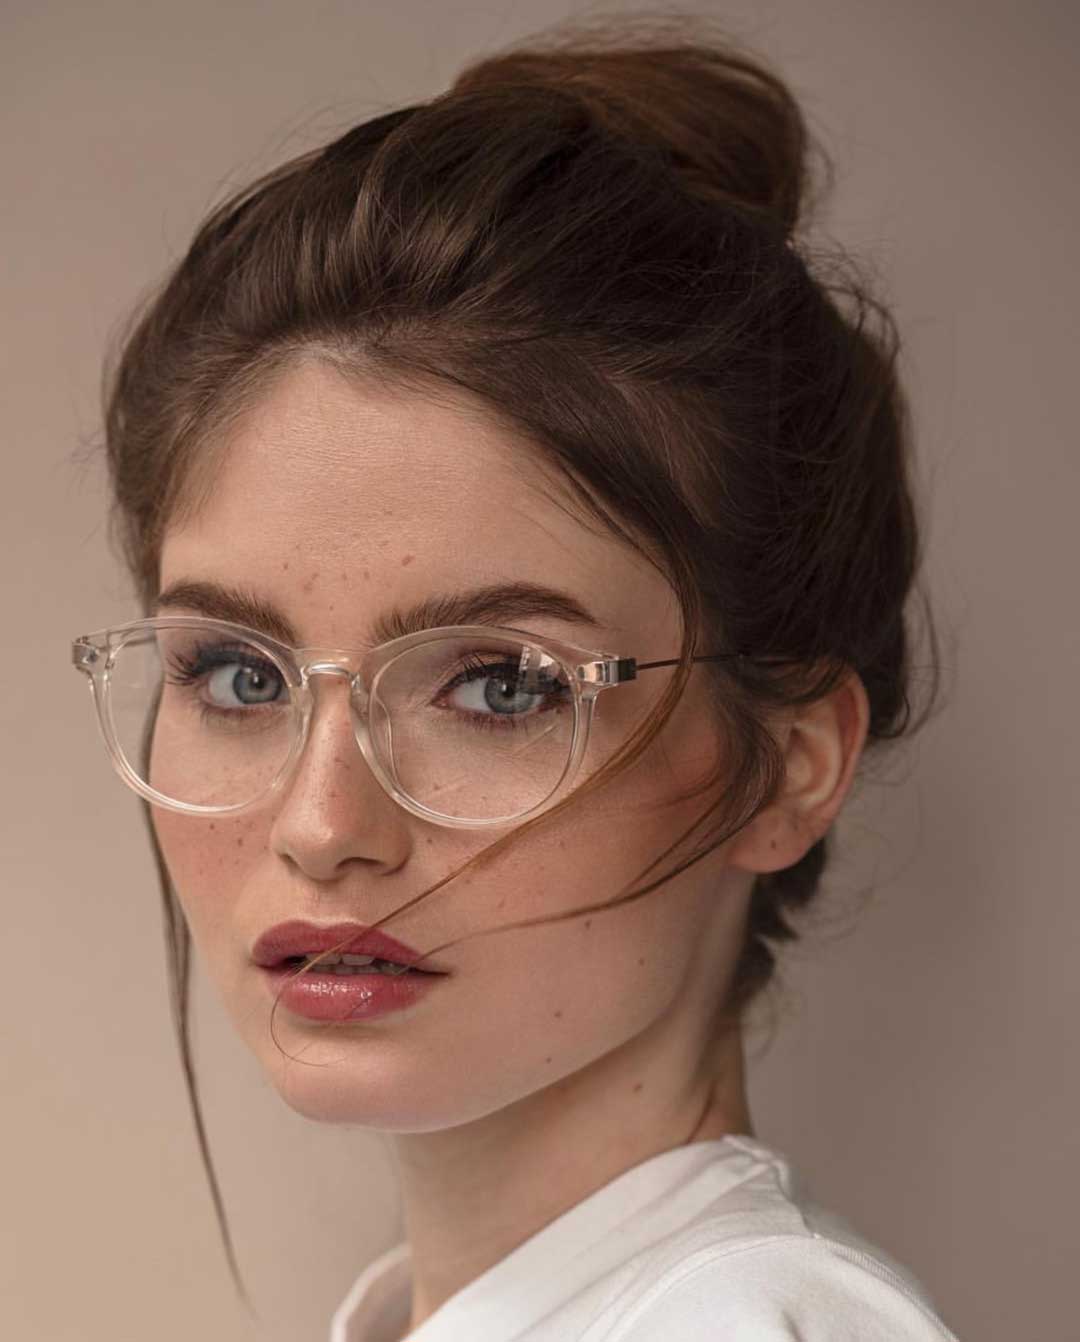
(356, 1082)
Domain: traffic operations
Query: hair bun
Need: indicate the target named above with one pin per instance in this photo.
(726, 122)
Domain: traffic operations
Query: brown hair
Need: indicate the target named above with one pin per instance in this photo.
(596, 233)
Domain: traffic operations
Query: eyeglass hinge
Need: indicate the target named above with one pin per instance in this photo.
(83, 654)
(611, 672)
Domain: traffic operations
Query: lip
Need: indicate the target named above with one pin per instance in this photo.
(341, 998)
(278, 943)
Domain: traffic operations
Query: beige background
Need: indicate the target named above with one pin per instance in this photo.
(924, 1073)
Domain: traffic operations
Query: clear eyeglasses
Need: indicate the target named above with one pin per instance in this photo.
(465, 725)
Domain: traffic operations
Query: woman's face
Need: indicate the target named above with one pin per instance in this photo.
(334, 504)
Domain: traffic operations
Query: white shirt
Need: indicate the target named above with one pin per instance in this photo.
(711, 1242)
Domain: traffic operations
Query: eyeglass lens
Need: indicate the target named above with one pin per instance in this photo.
(472, 728)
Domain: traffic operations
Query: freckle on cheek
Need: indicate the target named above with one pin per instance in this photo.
(588, 923)
(558, 1014)
(547, 1059)
(637, 1087)
(407, 559)
(240, 843)
(641, 962)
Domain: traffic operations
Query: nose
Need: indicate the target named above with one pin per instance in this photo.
(336, 715)
(333, 809)
(331, 666)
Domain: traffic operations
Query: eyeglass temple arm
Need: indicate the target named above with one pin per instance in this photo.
(617, 669)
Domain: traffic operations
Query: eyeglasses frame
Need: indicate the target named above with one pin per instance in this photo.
(588, 673)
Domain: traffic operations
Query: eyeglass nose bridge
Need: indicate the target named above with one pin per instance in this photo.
(335, 664)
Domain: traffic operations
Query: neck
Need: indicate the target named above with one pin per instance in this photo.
(471, 1194)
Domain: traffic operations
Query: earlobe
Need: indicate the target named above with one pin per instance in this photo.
(822, 743)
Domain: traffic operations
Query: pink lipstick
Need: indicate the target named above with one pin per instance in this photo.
(369, 974)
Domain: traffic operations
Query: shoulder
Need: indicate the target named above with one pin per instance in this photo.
(783, 1288)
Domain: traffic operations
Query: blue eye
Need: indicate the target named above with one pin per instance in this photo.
(494, 694)
(234, 678)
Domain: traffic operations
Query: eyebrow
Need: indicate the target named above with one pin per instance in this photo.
(494, 604)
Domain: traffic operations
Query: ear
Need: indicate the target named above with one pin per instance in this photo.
(822, 742)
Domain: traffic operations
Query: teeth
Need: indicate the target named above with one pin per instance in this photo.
(387, 967)
(343, 959)
(357, 964)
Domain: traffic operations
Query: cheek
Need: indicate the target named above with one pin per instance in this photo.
(540, 1002)
(604, 847)
(207, 860)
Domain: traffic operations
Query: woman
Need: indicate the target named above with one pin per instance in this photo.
(524, 540)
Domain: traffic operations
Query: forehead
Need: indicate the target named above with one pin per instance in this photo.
(335, 497)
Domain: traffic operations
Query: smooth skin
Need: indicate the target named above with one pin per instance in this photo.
(552, 1058)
